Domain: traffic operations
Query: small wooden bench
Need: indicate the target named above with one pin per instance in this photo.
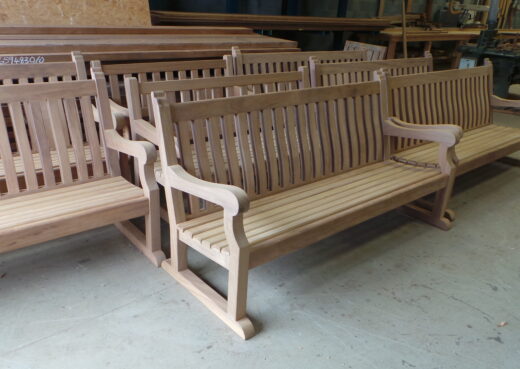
(309, 163)
(463, 97)
(333, 74)
(47, 201)
(374, 52)
(258, 63)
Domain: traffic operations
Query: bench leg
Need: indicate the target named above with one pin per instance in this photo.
(231, 311)
(428, 205)
(436, 214)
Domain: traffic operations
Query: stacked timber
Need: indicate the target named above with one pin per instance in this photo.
(143, 43)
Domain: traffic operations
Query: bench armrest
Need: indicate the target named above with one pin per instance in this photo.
(446, 134)
(233, 199)
(120, 115)
(145, 129)
(145, 152)
(498, 102)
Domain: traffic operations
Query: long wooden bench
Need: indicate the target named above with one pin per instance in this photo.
(333, 74)
(462, 97)
(51, 202)
(374, 52)
(255, 63)
(139, 96)
(309, 163)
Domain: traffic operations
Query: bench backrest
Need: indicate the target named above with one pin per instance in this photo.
(40, 73)
(460, 96)
(271, 142)
(157, 71)
(333, 74)
(374, 52)
(255, 63)
(67, 107)
(208, 88)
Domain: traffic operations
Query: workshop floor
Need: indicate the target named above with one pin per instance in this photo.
(389, 293)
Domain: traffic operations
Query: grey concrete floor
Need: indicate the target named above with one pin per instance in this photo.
(389, 293)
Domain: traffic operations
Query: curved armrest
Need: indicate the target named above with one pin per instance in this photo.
(446, 134)
(145, 129)
(145, 152)
(120, 115)
(498, 102)
(233, 199)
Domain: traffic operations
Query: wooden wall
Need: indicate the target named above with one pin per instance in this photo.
(75, 12)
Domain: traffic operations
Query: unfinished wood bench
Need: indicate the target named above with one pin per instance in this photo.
(463, 97)
(46, 201)
(333, 74)
(309, 163)
(374, 52)
(257, 63)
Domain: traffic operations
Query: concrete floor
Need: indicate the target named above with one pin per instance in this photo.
(390, 293)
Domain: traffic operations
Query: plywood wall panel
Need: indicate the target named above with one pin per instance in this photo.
(75, 12)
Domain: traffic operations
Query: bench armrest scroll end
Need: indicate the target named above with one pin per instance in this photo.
(446, 134)
(233, 199)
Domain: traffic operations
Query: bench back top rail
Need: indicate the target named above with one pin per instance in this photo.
(460, 96)
(255, 63)
(64, 109)
(374, 52)
(198, 89)
(271, 142)
(332, 74)
(158, 71)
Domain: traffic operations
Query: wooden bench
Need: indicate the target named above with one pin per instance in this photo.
(374, 52)
(246, 63)
(48, 203)
(333, 74)
(309, 163)
(143, 125)
(463, 97)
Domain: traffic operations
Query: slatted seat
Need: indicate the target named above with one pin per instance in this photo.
(491, 141)
(295, 167)
(461, 97)
(307, 206)
(56, 182)
(259, 63)
(47, 215)
(333, 74)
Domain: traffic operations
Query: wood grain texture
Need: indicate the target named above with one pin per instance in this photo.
(76, 13)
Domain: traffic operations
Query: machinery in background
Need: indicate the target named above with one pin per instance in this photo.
(505, 55)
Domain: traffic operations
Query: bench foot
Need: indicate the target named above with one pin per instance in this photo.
(428, 205)
(138, 239)
(445, 222)
(211, 299)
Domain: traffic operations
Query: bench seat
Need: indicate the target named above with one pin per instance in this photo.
(46, 215)
(477, 147)
(340, 199)
(18, 162)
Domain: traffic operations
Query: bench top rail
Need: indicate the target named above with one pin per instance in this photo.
(332, 74)
(271, 142)
(255, 63)
(460, 97)
(60, 115)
